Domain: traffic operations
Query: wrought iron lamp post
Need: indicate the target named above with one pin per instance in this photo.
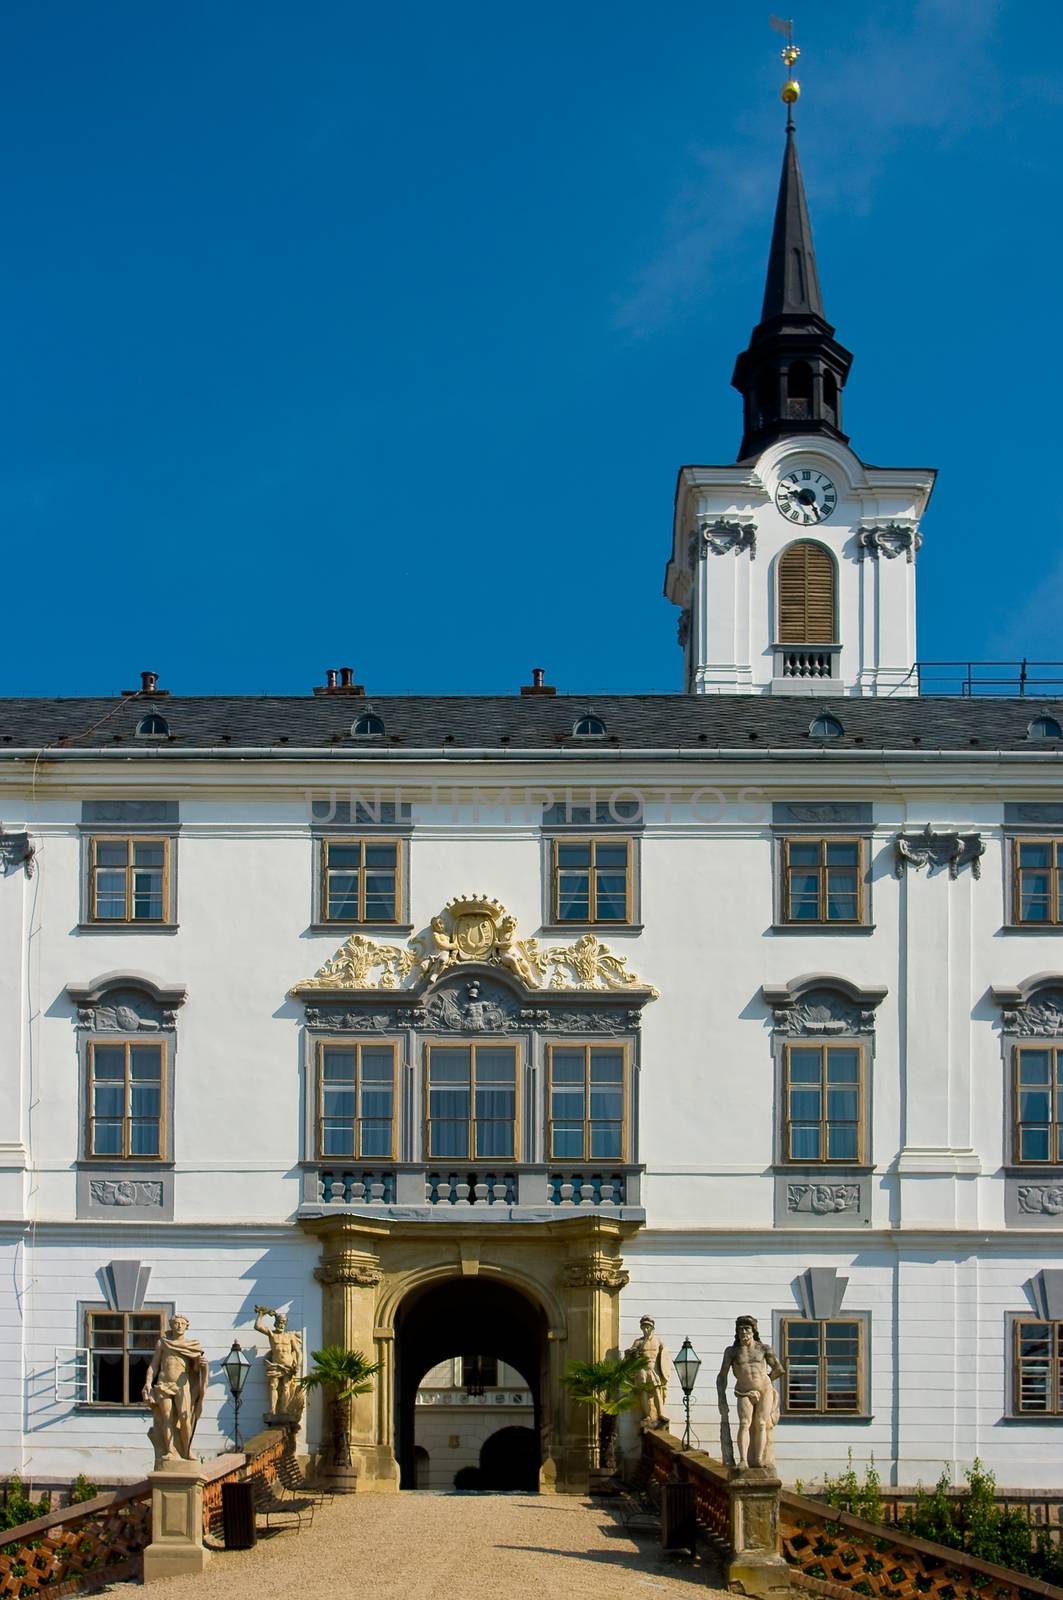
(687, 1365)
(236, 1367)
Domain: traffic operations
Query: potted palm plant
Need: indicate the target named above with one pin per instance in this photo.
(341, 1374)
(609, 1386)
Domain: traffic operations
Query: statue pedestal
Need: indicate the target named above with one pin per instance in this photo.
(756, 1568)
(176, 1544)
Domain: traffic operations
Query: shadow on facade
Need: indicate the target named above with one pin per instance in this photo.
(472, 1315)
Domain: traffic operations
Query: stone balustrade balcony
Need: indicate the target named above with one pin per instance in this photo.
(480, 1190)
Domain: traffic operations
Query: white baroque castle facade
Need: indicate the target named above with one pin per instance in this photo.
(485, 1026)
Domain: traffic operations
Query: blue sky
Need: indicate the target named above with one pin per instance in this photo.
(337, 333)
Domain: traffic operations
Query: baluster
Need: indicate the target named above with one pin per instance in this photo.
(607, 1192)
(461, 1193)
(336, 1191)
(443, 1188)
(566, 1191)
(431, 1187)
(376, 1191)
(357, 1189)
(586, 1193)
(479, 1193)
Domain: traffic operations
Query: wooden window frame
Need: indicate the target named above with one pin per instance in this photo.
(489, 1042)
(823, 1046)
(1055, 879)
(1055, 1052)
(558, 842)
(822, 1409)
(130, 840)
(90, 1314)
(1055, 1368)
(822, 871)
(346, 841)
(623, 1047)
(357, 1045)
(127, 1044)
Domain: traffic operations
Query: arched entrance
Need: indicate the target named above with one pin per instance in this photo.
(478, 1316)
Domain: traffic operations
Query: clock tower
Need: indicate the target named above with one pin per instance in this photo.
(795, 569)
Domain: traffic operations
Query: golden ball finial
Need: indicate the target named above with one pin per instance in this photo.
(790, 92)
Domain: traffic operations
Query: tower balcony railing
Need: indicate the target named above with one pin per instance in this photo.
(1004, 678)
(806, 661)
(461, 1186)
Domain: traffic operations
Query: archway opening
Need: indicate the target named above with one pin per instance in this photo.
(470, 1355)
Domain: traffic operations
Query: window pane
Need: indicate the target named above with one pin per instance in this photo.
(449, 1103)
(450, 1139)
(379, 898)
(573, 897)
(613, 856)
(607, 1105)
(144, 1139)
(377, 1102)
(146, 1100)
(381, 856)
(110, 895)
(106, 1138)
(842, 1105)
(108, 1380)
(567, 1141)
(605, 1141)
(137, 1366)
(574, 855)
(107, 1332)
(345, 855)
(338, 1102)
(804, 896)
(108, 1061)
(843, 855)
(377, 1064)
(147, 896)
(843, 1066)
(1035, 1105)
(145, 1062)
(337, 1065)
(494, 1139)
(376, 1138)
(841, 897)
(1035, 897)
(566, 1066)
(805, 1143)
(611, 898)
(805, 1066)
(496, 1065)
(337, 1138)
(566, 1105)
(108, 1100)
(450, 1066)
(804, 854)
(806, 1105)
(1034, 1144)
(841, 1142)
(144, 1329)
(149, 855)
(495, 1104)
(343, 896)
(607, 1066)
(111, 852)
(1035, 1066)
(1037, 853)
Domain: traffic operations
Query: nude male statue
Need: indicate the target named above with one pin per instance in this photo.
(755, 1367)
(654, 1395)
(175, 1386)
(284, 1364)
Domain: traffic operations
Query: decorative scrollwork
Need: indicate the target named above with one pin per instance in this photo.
(1041, 1199)
(472, 928)
(123, 1192)
(947, 848)
(349, 1268)
(822, 1198)
(717, 535)
(889, 539)
(596, 1272)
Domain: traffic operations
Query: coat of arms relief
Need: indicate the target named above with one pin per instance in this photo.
(474, 928)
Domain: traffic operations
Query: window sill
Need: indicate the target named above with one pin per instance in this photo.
(1038, 928)
(125, 1163)
(592, 927)
(1035, 1171)
(818, 1169)
(1028, 1419)
(135, 1408)
(848, 1417)
(347, 928)
(127, 927)
(846, 928)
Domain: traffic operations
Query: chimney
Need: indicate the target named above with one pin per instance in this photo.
(340, 682)
(149, 684)
(537, 686)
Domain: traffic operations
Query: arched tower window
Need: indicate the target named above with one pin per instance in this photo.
(806, 594)
(799, 390)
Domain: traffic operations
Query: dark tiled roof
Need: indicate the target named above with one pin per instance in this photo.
(541, 722)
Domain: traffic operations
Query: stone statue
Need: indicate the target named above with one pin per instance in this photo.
(175, 1387)
(284, 1364)
(755, 1367)
(654, 1394)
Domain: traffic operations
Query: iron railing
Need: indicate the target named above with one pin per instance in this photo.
(1027, 678)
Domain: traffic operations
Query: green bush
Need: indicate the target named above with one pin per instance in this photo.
(847, 1493)
(19, 1508)
(82, 1489)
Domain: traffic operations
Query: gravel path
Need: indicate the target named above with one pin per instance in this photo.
(434, 1546)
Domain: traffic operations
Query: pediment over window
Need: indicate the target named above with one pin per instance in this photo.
(475, 931)
(1033, 1007)
(822, 1003)
(126, 1002)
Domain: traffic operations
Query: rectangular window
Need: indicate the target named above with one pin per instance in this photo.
(472, 1102)
(587, 1084)
(356, 1100)
(1039, 1368)
(824, 1367)
(1037, 864)
(120, 1345)
(592, 880)
(822, 1098)
(822, 880)
(1039, 1104)
(129, 879)
(125, 1099)
(360, 880)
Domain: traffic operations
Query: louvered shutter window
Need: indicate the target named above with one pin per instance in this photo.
(806, 595)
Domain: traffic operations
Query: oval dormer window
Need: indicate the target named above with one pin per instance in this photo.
(825, 727)
(153, 727)
(368, 726)
(1044, 727)
(589, 727)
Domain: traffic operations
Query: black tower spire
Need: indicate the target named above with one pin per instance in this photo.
(791, 376)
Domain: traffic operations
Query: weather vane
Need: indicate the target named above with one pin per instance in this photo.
(791, 89)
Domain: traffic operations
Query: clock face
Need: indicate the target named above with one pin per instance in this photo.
(806, 495)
